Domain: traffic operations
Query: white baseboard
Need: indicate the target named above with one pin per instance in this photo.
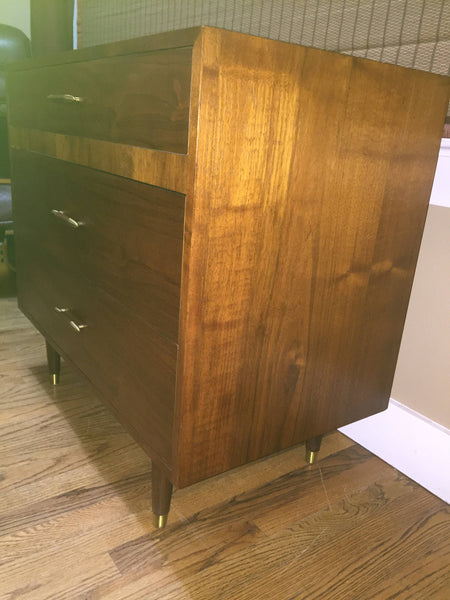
(410, 442)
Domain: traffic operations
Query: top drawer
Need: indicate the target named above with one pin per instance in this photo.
(139, 100)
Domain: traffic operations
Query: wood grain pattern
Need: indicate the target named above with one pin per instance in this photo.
(307, 180)
(139, 100)
(130, 243)
(300, 252)
(75, 491)
(162, 169)
(118, 352)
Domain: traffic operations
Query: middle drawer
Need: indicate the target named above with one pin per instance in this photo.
(123, 235)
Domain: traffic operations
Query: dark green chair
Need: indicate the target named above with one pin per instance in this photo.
(14, 46)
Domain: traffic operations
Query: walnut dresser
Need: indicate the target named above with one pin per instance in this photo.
(220, 231)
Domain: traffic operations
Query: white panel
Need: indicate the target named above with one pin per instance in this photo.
(413, 444)
(440, 195)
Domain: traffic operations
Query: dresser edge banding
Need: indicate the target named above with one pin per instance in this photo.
(154, 167)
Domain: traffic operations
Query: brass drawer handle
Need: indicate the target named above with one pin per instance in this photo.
(77, 326)
(60, 214)
(66, 98)
(66, 311)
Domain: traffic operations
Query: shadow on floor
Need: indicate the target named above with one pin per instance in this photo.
(124, 468)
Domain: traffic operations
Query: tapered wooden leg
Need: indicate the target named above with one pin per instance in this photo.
(312, 448)
(54, 363)
(161, 496)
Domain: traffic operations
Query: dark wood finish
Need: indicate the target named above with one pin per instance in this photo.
(53, 362)
(313, 444)
(308, 188)
(131, 241)
(126, 360)
(308, 178)
(161, 491)
(140, 100)
(51, 26)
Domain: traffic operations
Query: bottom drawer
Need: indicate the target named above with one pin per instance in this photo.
(127, 361)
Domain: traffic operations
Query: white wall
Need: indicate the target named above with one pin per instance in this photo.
(413, 435)
(422, 377)
(16, 13)
(440, 196)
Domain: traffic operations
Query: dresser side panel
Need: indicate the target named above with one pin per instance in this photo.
(309, 180)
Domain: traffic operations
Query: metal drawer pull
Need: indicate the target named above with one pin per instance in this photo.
(68, 98)
(66, 219)
(77, 326)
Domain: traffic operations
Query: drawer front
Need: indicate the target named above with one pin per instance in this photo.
(130, 237)
(129, 364)
(140, 100)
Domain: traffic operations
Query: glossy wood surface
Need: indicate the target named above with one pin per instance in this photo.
(307, 177)
(129, 364)
(130, 240)
(155, 167)
(309, 181)
(140, 100)
(75, 492)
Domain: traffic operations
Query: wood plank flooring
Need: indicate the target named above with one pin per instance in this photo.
(75, 511)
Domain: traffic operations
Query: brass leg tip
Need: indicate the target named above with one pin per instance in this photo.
(55, 378)
(159, 521)
(311, 457)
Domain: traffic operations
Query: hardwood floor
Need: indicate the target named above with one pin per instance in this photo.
(75, 510)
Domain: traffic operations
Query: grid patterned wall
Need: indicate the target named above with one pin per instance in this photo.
(411, 33)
